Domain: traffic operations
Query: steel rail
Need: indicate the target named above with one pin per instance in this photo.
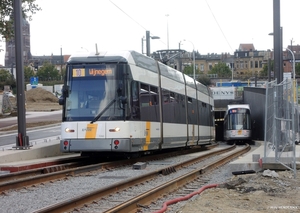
(36, 176)
(69, 204)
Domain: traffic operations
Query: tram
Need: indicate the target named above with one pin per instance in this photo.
(125, 102)
(237, 123)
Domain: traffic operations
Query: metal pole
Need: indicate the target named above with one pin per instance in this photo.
(277, 38)
(194, 67)
(269, 69)
(61, 60)
(194, 63)
(294, 74)
(232, 69)
(168, 30)
(22, 140)
(281, 57)
(148, 43)
(142, 45)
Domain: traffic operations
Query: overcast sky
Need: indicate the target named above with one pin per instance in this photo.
(208, 26)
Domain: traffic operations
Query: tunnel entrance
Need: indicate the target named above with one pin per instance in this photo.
(219, 118)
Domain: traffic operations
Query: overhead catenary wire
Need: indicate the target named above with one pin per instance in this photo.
(132, 18)
(219, 26)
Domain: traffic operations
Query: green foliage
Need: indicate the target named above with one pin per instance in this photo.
(6, 78)
(221, 69)
(297, 69)
(28, 72)
(204, 80)
(4, 75)
(47, 72)
(6, 18)
(188, 70)
(264, 72)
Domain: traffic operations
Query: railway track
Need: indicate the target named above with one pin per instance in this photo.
(130, 200)
(72, 167)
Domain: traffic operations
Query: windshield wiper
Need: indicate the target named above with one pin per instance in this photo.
(103, 111)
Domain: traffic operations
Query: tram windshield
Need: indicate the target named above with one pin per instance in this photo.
(239, 119)
(90, 90)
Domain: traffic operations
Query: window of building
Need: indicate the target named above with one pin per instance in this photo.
(201, 67)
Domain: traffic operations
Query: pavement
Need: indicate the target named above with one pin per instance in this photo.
(43, 150)
(261, 157)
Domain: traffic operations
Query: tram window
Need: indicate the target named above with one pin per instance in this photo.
(172, 97)
(135, 100)
(153, 96)
(166, 96)
(190, 100)
(144, 89)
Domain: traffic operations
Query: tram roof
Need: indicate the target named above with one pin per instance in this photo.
(233, 106)
(133, 57)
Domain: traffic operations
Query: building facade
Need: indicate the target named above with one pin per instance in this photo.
(10, 53)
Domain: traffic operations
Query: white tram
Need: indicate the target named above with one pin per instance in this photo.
(237, 123)
(125, 102)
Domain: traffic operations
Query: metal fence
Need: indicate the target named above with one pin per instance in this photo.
(281, 124)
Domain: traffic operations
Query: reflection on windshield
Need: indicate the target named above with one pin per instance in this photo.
(239, 121)
(88, 96)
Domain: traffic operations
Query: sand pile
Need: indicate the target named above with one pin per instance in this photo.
(38, 99)
(39, 95)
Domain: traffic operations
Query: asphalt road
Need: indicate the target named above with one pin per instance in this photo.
(32, 117)
(35, 135)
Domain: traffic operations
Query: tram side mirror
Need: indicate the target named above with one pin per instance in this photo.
(61, 100)
(65, 93)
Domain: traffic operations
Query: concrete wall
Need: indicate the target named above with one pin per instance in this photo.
(256, 98)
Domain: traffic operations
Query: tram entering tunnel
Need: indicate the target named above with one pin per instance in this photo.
(219, 119)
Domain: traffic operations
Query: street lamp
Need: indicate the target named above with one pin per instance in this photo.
(167, 15)
(278, 55)
(294, 73)
(148, 42)
(194, 67)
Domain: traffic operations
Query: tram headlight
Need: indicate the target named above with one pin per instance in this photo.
(117, 129)
(69, 130)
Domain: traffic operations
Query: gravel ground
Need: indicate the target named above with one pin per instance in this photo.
(35, 197)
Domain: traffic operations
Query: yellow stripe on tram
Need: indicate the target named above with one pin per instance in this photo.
(91, 131)
(146, 146)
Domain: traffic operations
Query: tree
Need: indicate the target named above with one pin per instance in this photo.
(4, 75)
(47, 72)
(28, 72)
(189, 70)
(264, 72)
(6, 18)
(297, 69)
(204, 80)
(221, 69)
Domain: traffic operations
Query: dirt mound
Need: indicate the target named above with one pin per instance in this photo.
(39, 95)
(38, 99)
